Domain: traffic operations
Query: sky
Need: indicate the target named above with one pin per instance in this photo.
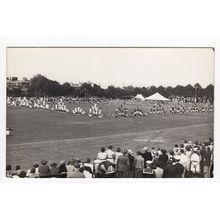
(115, 66)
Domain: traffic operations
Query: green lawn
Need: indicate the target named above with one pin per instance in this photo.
(56, 136)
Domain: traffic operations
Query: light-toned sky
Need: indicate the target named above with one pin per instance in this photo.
(115, 66)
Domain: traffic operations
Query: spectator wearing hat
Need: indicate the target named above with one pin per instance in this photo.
(123, 165)
(138, 165)
(146, 155)
(163, 158)
(76, 173)
(44, 170)
(179, 169)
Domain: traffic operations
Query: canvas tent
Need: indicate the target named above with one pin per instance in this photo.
(157, 97)
(139, 97)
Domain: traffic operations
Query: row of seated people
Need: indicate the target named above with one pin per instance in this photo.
(178, 110)
(121, 112)
(60, 107)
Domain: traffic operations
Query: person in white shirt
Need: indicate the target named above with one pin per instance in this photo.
(195, 161)
(110, 153)
(183, 159)
(116, 155)
(102, 155)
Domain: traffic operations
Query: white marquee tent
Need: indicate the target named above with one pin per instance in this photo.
(157, 97)
(139, 97)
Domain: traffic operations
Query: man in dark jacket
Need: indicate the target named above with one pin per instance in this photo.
(169, 170)
(163, 158)
(44, 170)
(179, 169)
(123, 166)
(147, 156)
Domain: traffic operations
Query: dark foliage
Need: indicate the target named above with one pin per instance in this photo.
(41, 86)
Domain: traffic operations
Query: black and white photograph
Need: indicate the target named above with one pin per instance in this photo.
(110, 112)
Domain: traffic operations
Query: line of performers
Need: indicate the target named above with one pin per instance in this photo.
(96, 111)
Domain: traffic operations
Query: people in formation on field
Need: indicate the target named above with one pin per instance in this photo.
(137, 112)
(95, 111)
(178, 109)
(184, 160)
(157, 110)
(60, 106)
(121, 111)
(78, 111)
(194, 108)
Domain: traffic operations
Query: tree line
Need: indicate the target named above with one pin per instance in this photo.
(42, 86)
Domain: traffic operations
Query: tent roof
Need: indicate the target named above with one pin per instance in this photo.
(157, 96)
(139, 96)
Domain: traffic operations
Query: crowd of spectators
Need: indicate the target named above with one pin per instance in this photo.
(184, 160)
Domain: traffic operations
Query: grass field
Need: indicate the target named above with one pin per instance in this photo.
(58, 136)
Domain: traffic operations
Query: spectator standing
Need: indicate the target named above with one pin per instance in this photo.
(123, 166)
(131, 164)
(183, 158)
(147, 156)
(163, 158)
(188, 154)
(116, 155)
(158, 172)
(195, 161)
(178, 167)
(169, 170)
(207, 163)
(138, 165)
(110, 153)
